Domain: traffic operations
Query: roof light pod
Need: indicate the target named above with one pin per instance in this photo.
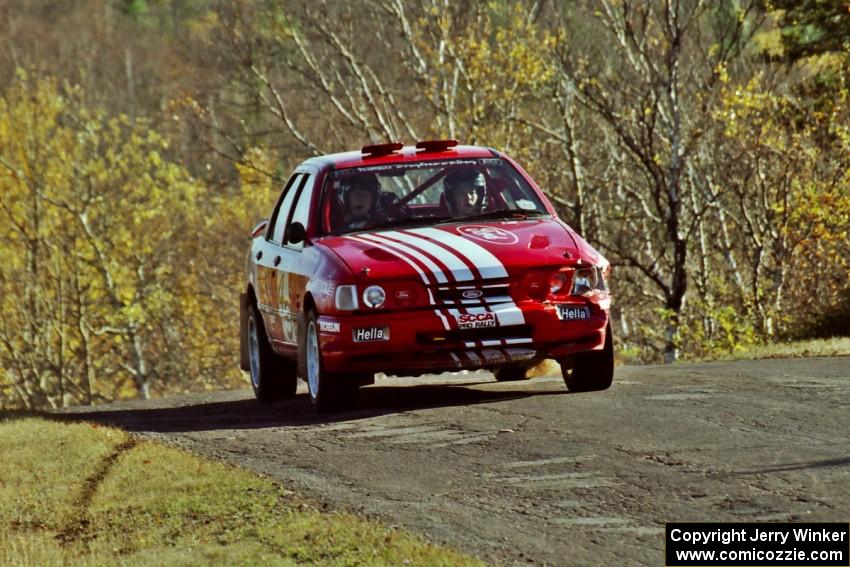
(378, 150)
(435, 145)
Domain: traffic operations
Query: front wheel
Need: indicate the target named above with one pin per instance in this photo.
(273, 377)
(590, 371)
(328, 391)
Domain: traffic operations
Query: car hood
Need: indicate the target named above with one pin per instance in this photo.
(458, 252)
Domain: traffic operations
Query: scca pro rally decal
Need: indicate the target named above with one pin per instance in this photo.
(490, 234)
(475, 320)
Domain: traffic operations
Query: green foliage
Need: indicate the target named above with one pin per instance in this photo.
(813, 27)
(99, 280)
(712, 330)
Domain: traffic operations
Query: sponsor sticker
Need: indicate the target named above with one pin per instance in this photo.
(573, 312)
(475, 320)
(329, 326)
(414, 165)
(370, 334)
(490, 234)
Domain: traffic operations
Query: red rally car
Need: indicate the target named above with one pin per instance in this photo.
(411, 260)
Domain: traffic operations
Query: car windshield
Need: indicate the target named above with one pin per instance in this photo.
(425, 192)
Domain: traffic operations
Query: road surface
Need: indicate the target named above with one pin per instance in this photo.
(526, 473)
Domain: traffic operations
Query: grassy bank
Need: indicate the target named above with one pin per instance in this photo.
(837, 346)
(80, 494)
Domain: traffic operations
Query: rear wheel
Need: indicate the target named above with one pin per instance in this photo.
(511, 372)
(328, 390)
(590, 371)
(272, 377)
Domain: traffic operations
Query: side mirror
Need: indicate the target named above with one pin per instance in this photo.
(295, 233)
(260, 228)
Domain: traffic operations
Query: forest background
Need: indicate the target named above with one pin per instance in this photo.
(702, 145)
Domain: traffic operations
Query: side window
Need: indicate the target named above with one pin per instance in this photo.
(273, 221)
(301, 213)
(282, 212)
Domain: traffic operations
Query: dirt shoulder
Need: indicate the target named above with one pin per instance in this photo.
(528, 473)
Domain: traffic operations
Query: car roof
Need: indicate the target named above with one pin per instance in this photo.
(407, 154)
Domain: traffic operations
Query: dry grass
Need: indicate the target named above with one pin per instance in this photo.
(838, 346)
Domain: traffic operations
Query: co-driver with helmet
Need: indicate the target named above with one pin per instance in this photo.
(465, 192)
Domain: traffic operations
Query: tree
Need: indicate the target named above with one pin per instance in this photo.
(100, 233)
(812, 27)
(653, 96)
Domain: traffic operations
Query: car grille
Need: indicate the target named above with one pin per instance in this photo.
(495, 292)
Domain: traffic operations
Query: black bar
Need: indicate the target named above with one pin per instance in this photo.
(757, 544)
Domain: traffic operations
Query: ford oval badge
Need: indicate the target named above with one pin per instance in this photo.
(472, 294)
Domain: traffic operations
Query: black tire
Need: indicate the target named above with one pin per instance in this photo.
(591, 371)
(511, 372)
(329, 391)
(273, 377)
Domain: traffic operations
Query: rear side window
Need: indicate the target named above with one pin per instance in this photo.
(301, 212)
(281, 212)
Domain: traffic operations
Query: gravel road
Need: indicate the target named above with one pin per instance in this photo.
(526, 473)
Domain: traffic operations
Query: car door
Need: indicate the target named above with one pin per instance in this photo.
(293, 271)
(267, 258)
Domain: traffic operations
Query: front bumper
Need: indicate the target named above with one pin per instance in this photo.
(429, 340)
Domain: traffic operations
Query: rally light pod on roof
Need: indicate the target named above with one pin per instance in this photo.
(435, 145)
(377, 150)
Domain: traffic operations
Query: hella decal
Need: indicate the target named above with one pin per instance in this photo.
(491, 234)
(370, 334)
(573, 313)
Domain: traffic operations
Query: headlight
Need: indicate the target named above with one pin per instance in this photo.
(346, 297)
(374, 296)
(587, 280)
(584, 281)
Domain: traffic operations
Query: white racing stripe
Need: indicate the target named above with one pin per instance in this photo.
(439, 313)
(414, 247)
(459, 270)
(484, 261)
(394, 253)
(412, 264)
(497, 299)
(435, 269)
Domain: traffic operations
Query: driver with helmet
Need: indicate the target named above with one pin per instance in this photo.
(465, 192)
(358, 197)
